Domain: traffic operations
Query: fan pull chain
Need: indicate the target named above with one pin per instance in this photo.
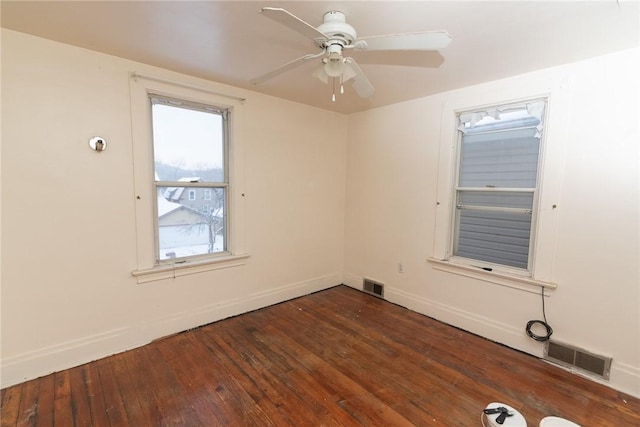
(333, 96)
(341, 84)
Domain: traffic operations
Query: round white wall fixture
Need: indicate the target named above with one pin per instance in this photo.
(98, 143)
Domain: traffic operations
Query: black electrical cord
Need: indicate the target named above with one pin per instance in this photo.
(530, 323)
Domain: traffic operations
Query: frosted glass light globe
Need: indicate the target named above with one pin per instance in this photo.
(334, 67)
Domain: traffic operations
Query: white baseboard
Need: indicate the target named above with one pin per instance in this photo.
(488, 328)
(46, 360)
(624, 377)
(353, 281)
(468, 321)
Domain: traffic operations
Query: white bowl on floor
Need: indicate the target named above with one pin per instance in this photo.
(556, 422)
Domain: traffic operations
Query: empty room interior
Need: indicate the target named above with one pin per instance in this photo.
(320, 213)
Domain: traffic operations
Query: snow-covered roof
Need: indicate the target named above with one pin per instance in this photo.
(173, 193)
(165, 206)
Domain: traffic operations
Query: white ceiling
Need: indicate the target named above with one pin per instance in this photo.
(230, 42)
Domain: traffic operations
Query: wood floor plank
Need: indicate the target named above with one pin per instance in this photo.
(29, 404)
(189, 375)
(333, 358)
(284, 383)
(46, 405)
(343, 390)
(376, 367)
(128, 396)
(95, 394)
(139, 373)
(168, 390)
(80, 397)
(113, 403)
(247, 393)
(62, 410)
(209, 378)
(10, 405)
(413, 375)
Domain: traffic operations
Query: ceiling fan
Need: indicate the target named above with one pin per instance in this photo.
(335, 37)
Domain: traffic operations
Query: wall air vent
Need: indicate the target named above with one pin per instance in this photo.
(373, 288)
(573, 357)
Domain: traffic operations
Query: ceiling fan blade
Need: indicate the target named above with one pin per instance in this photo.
(361, 84)
(404, 58)
(288, 19)
(284, 68)
(426, 40)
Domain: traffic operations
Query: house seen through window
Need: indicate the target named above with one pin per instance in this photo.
(497, 184)
(191, 184)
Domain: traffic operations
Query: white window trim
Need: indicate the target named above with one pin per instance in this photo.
(147, 268)
(498, 277)
(550, 177)
(186, 268)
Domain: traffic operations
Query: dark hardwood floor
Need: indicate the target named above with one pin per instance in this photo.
(336, 357)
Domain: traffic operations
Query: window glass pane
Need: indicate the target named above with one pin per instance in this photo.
(507, 199)
(188, 144)
(505, 158)
(190, 227)
(496, 237)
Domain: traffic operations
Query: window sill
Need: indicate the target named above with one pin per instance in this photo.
(171, 271)
(498, 278)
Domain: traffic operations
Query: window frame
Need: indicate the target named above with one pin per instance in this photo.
(556, 90)
(148, 269)
(457, 190)
(192, 186)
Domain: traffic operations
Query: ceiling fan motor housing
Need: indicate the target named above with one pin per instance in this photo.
(336, 28)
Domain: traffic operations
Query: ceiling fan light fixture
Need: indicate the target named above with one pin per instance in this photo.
(334, 67)
(321, 74)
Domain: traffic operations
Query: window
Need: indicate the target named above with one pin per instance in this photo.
(189, 156)
(207, 194)
(496, 186)
(162, 179)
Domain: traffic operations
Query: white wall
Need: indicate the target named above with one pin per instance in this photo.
(68, 218)
(593, 140)
(69, 235)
